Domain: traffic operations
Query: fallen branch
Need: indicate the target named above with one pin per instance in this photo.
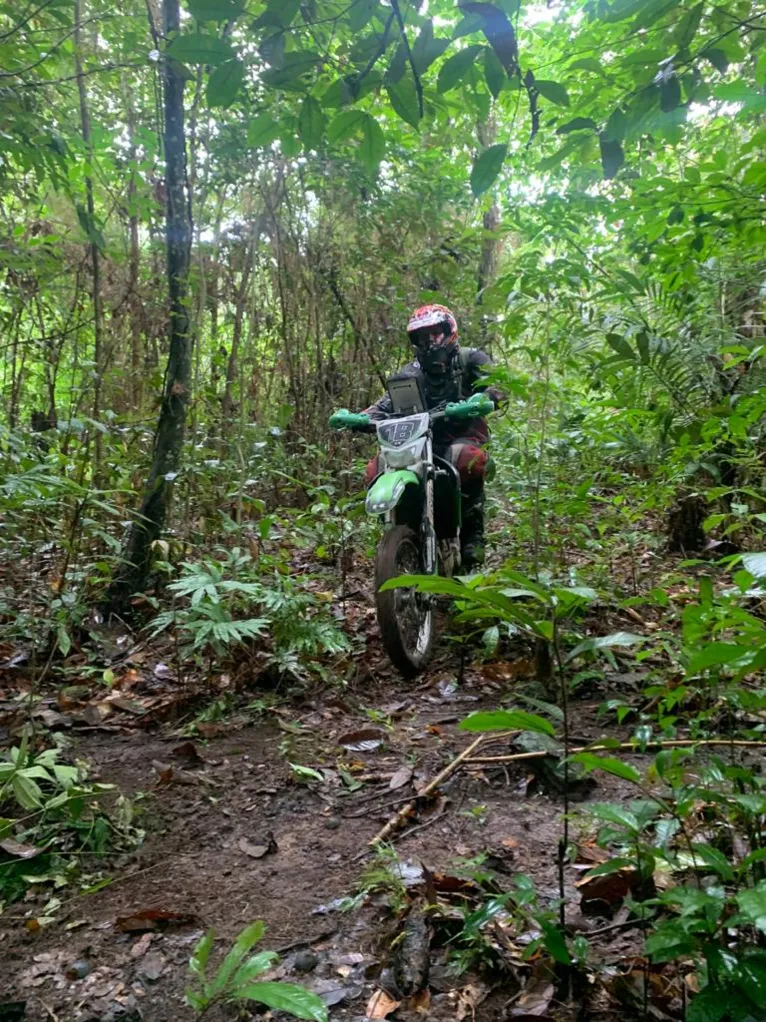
(675, 743)
(407, 810)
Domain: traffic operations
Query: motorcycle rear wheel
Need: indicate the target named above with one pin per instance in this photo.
(405, 617)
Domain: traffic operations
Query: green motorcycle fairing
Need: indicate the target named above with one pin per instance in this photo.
(386, 492)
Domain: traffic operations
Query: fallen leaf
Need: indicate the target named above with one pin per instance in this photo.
(152, 966)
(469, 998)
(141, 946)
(153, 919)
(258, 850)
(421, 1001)
(535, 1000)
(402, 776)
(188, 751)
(367, 739)
(380, 1005)
(18, 850)
(610, 888)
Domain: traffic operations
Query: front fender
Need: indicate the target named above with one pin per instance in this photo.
(386, 492)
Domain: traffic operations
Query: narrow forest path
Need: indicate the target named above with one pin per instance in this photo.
(210, 806)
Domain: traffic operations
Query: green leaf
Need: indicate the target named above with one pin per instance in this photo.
(715, 654)
(403, 97)
(311, 120)
(612, 813)
(587, 64)
(215, 10)
(507, 720)
(612, 156)
(197, 48)
(298, 64)
(454, 69)
(718, 59)
(553, 91)
(606, 642)
(670, 940)
(306, 773)
(262, 131)
(752, 905)
(710, 1005)
(670, 94)
(289, 997)
(487, 167)
(64, 641)
(608, 764)
(199, 958)
(493, 72)
(687, 26)
(224, 83)
(27, 792)
(576, 124)
(373, 146)
(253, 968)
(247, 938)
(345, 124)
(717, 861)
(755, 563)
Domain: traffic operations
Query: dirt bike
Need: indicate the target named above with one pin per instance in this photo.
(417, 494)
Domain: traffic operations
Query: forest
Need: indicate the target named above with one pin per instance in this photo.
(267, 750)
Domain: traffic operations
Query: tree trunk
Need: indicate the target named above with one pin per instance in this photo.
(170, 428)
(95, 255)
(227, 405)
(134, 298)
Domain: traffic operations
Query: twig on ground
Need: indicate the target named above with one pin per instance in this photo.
(676, 743)
(406, 811)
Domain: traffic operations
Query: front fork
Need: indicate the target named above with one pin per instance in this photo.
(427, 530)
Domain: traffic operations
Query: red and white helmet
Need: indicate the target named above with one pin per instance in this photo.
(424, 323)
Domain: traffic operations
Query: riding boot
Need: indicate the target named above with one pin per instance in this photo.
(472, 529)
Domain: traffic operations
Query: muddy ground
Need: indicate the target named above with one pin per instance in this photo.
(209, 808)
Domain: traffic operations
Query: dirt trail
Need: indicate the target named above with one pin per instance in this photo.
(206, 822)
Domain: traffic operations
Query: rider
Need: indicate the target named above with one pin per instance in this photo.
(450, 373)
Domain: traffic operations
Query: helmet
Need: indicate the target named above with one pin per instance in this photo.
(423, 328)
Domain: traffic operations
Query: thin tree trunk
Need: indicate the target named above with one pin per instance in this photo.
(170, 428)
(227, 405)
(93, 246)
(134, 300)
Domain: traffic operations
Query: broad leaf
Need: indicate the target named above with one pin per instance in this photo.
(224, 83)
(752, 905)
(247, 938)
(345, 124)
(199, 959)
(404, 99)
(262, 131)
(606, 642)
(506, 720)
(289, 997)
(608, 764)
(755, 563)
(487, 167)
(197, 48)
(454, 69)
(373, 145)
(494, 72)
(311, 121)
(27, 791)
(716, 654)
(553, 91)
(215, 10)
(612, 156)
(576, 124)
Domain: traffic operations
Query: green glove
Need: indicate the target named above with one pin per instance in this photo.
(475, 406)
(343, 418)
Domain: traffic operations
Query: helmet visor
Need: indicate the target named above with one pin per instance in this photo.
(426, 335)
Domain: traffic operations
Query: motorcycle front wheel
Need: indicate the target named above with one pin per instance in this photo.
(405, 616)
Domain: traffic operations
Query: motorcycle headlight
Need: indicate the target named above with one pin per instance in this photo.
(402, 458)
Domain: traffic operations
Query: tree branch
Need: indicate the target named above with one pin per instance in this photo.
(408, 51)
